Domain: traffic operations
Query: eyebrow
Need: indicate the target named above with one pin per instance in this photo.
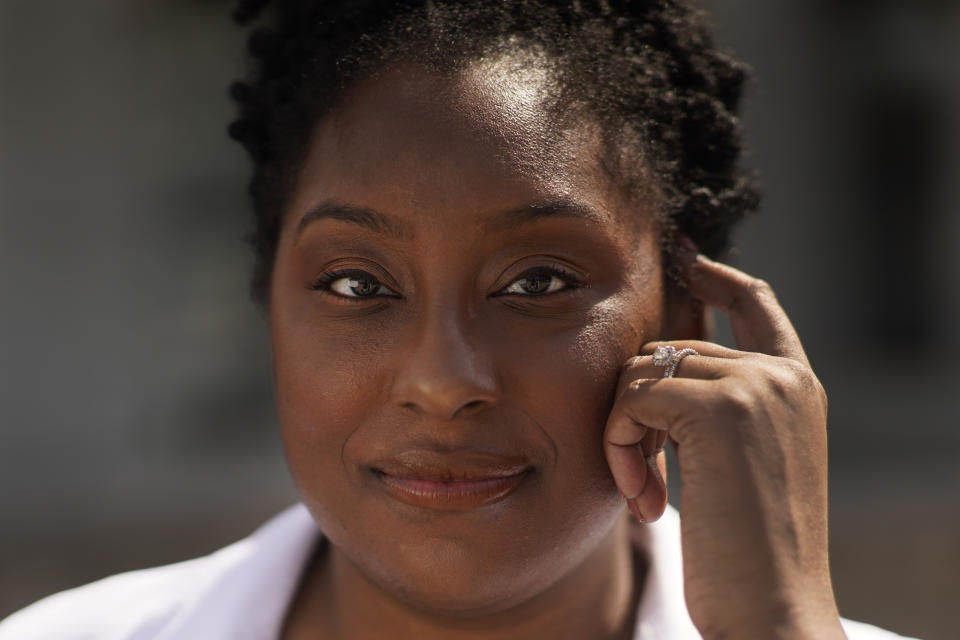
(362, 216)
(388, 225)
(555, 208)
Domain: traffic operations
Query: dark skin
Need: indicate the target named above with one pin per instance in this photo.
(481, 296)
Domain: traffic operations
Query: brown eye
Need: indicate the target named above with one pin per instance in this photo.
(357, 286)
(537, 284)
(353, 284)
(541, 281)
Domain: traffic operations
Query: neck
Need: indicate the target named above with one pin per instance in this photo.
(598, 599)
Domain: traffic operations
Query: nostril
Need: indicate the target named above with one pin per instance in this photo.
(444, 384)
(471, 407)
(464, 409)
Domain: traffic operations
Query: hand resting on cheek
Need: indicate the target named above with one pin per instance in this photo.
(749, 427)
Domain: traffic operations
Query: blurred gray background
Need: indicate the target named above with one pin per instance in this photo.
(136, 419)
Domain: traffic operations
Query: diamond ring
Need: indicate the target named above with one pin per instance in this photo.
(668, 356)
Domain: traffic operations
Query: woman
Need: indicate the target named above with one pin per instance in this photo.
(471, 218)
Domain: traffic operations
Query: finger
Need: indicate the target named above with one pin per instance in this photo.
(662, 439)
(701, 367)
(639, 423)
(758, 321)
(702, 347)
(658, 404)
(633, 463)
(650, 504)
(628, 467)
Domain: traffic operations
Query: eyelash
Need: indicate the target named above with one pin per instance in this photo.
(569, 280)
(324, 280)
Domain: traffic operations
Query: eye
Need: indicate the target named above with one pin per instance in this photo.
(353, 284)
(541, 281)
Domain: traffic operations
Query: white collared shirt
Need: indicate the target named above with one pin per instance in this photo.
(241, 592)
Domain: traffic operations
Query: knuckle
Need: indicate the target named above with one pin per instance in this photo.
(735, 401)
(784, 380)
(786, 377)
(795, 379)
(761, 288)
(805, 378)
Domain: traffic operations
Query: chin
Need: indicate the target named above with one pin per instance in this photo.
(459, 579)
(448, 582)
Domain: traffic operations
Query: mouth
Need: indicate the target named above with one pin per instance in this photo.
(451, 482)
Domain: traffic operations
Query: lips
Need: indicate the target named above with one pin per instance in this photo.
(450, 481)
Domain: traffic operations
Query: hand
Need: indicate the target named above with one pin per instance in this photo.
(749, 427)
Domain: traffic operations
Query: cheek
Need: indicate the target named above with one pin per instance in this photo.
(568, 384)
(324, 393)
(320, 381)
(322, 361)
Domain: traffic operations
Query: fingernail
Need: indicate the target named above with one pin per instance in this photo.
(686, 254)
(635, 510)
(686, 244)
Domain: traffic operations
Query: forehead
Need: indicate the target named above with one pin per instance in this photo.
(487, 137)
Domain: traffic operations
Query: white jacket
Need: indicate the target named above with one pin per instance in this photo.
(241, 592)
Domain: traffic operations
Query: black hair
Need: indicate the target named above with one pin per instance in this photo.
(646, 70)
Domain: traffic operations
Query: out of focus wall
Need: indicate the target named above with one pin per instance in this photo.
(134, 374)
(136, 420)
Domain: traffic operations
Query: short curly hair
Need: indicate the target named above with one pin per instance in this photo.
(646, 70)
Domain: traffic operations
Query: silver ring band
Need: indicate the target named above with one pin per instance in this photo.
(668, 356)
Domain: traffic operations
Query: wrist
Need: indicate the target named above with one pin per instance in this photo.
(823, 627)
(821, 630)
(790, 623)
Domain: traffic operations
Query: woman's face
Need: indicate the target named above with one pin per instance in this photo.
(456, 287)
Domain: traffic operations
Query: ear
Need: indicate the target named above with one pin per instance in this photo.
(686, 317)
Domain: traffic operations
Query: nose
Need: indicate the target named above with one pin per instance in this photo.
(443, 375)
